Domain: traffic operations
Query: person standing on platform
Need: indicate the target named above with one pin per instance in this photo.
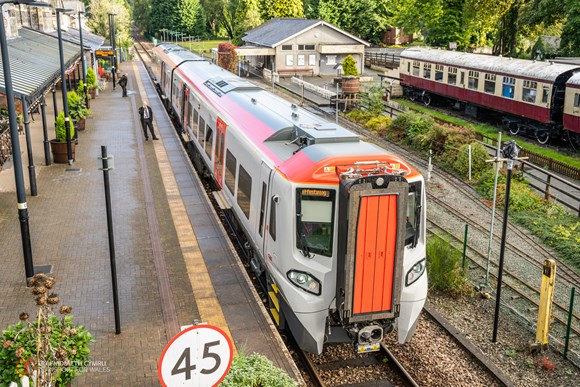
(146, 114)
(123, 84)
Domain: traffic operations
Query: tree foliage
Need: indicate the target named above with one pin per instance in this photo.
(227, 57)
(349, 66)
(99, 17)
(270, 9)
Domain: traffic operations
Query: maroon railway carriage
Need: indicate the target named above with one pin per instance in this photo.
(531, 93)
(572, 107)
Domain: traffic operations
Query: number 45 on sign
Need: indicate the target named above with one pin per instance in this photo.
(197, 356)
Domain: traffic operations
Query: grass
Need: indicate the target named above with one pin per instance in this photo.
(202, 46)
(492, 131)
(443, 267)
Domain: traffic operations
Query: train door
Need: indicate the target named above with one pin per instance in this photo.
(265, 172)
(220, 146)
(184, 108)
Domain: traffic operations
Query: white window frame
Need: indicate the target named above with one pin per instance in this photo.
(312, 60)
(289, 60)
(330, 59)
(300, 60)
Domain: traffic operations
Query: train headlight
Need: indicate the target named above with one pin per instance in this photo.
(305, 281)
(415, 273)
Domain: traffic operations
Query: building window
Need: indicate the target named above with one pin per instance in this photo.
(439, 73)
(508, 87)
(452, 75)
(427, 70)
(244, 191)
(489, 85)
(330, 59)
(300, 60)
(301, 47)
(545, 94)
(416, 66)
(287, 47)
(230, 172)
(312, 60)
(473, 80)
(289, 60)
(309, 47)
(529, 91)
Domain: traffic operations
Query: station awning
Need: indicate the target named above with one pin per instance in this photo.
(91, 41)
(255, 51)
(35, 63)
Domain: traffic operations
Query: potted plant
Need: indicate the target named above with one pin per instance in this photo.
(77, 109)
(58, 146)
(92, 82)
(82, 92)
(48, 349)
(350, 79)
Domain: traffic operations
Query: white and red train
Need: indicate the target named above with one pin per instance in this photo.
(537, 98)
(335, 226)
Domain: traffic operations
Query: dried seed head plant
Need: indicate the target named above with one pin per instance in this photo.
(50, 349)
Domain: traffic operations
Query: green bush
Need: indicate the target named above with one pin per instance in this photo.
(359, 116)
(255, 371)
(349, 67)
(59, 128)
(415, 127)
(76, 105)
(478, 164)
(379, 125)
(91, 79)
(444, 267)
(373, 100)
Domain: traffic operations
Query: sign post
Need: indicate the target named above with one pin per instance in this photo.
(197, 356)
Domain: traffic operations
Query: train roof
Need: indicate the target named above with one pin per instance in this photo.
(574, 80)
(546, 71)
(290, 136)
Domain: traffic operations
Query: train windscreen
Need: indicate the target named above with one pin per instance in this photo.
(315, 221)
(413, 215)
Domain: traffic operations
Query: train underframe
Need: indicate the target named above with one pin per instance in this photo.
(514, 124)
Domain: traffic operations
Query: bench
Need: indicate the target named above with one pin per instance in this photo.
(295, 71)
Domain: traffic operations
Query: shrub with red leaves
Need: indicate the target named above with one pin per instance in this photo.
(228, 57)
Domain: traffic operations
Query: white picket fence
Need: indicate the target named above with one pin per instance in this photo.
(313, 88)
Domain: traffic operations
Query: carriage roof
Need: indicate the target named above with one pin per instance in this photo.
(541, 70)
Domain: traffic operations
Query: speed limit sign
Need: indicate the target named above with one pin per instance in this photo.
(197, 356)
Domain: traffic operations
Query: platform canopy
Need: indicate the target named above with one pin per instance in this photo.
(35, 64)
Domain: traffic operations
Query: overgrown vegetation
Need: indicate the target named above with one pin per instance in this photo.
(444, 267)
(255, 371)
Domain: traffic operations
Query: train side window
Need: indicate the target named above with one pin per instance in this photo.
(201, 130)
(208, 140)
(244, 191)
(262, 208)
(189, 114)
(195, 120)
(545, 94)
(230, 177)
(473, 80)
(439, 73)
(529, 91)
(489, 85)
(427, 70)
(508, 87)
(452, 75)
(462, 82)
(272, 227)
(408, 67)
(416, 66)
(577, 100)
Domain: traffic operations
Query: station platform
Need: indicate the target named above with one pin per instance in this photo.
(175, 264)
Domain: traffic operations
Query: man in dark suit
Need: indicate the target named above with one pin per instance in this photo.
(146, 115)
(123, 84)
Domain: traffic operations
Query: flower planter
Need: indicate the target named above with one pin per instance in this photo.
(350, 85)
(81, 123)
(60, 152)
(93, 93)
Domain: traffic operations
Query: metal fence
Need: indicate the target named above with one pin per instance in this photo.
(5, 143)
(381, 59)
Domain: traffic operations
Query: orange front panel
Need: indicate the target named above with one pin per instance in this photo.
(375, 254)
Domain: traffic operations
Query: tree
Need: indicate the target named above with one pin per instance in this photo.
(221, 13)
(311, 9)
(570, 44)
(270, 9)
(450, 26)
(99, 17)
(365, 18)
(349, 66)
(188, 15)
(164, 15)
(227, 57)
(247, 17)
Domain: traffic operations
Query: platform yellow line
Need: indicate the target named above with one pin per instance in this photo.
(203, 291)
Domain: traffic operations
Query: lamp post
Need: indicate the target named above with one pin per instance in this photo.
(112, 38)
(84, 71)
(16, 156)
(63, 86)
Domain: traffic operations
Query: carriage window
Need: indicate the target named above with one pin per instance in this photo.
(545, 94)
(409, 67)
(195, 119)
(427, 70)
(262, 208)
(439, 73)
(230, 177)
(415, 68)
(508, 87)
(272, 227)
(189, 114)
(314, 221)
(208, 140)
(489, 85)
(473, 80)
(452, 75)
(576, 100)
(529, 91)
(244, 191)
(201, 130)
